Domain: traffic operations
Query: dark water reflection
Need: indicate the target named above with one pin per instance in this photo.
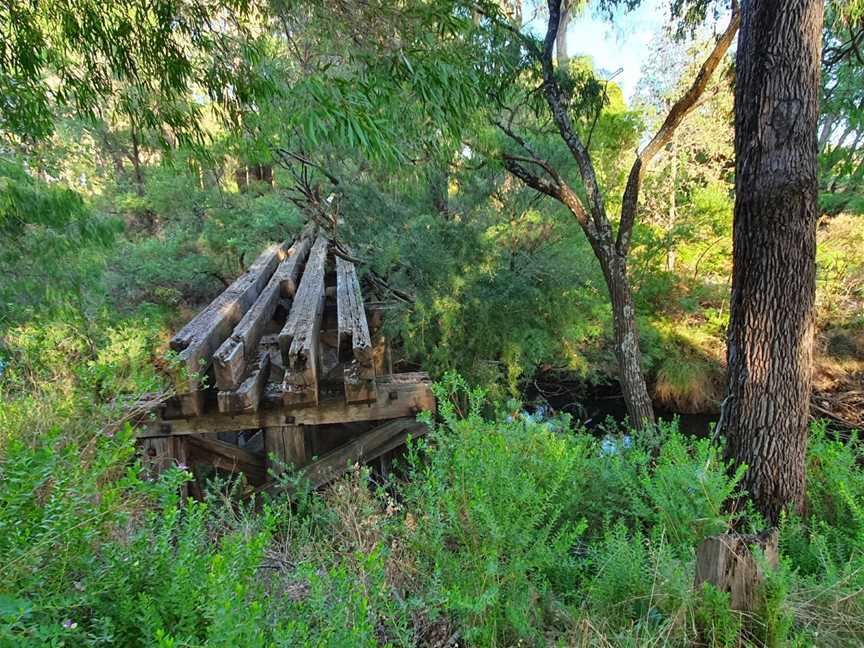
(594, 405)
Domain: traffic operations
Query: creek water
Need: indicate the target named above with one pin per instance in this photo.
(594, 405)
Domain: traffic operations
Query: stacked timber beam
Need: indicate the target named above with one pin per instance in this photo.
(287, 363)
(354, 342)
(299, 337)
(196, 342)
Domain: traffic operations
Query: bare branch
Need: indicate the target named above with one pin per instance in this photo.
(560, 191)
(534, 157)
(558, 106)
(679, 110)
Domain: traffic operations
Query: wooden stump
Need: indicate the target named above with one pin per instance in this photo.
(727, 562)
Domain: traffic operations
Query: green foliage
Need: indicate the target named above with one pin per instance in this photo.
(516, 520)
(498, 532)
(841, 118)
(718, 626)
(62, 54)
(50, 242)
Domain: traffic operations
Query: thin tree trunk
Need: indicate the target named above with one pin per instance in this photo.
(561, 53)
(610, 249)
(770, 335)
(135, 157)
(241, 176)
(640, 410)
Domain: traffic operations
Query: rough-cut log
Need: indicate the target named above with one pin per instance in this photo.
(727, 562)
(196, 342)
(248, 395)
(240, 348)
(299, 338)
(227, 457)
(369, 446)
(287, 444)
(399, 395)
(354, 342)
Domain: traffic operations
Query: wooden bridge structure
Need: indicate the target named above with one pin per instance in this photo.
(287, 363)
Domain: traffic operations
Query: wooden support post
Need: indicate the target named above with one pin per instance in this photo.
(727, 562)
(287, 444)
(159, 454)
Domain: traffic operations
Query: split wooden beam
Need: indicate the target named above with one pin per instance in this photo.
(398, 396)
(299, 338)
(728, 563)
(196, 342)
(232, 358)
(371, 445)
(247, 396)
(354, 345)
(225, 456)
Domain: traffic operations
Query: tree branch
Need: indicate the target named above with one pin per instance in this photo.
(558, 106)
(559, 190)
(679, 110)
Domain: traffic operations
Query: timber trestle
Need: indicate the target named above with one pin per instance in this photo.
(288, 362)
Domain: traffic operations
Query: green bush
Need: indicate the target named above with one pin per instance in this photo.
(498, 534)
(519, 517)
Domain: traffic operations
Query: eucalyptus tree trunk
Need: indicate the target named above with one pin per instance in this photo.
(627, 351)
(770, 336)
(611, 247)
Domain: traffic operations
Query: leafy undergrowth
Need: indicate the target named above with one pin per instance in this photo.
(507, 531)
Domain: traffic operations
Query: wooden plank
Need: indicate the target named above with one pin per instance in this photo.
(354, 340)
(240, 348)
(365, 448)
(354, 343)
(399, 396)
(228, 457)
(287, 444)
(298, 339)
(393, 401)
(196, 342)
(248, 395)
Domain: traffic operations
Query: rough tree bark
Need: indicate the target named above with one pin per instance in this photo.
(770, 336)
(611, 249)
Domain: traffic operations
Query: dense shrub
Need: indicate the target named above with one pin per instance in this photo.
(510, 529)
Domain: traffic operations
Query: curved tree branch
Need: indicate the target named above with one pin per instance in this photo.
(679, 110)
